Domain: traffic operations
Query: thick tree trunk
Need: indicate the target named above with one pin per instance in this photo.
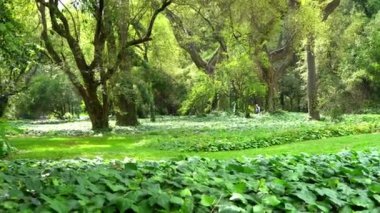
(3, 104)
(152, 112)
(98, 114)
(246, 109)
(291, 103)
(282, 101)
(126, 115)
(270, 103)
(99, 120)
(312, 80)
(267, 75)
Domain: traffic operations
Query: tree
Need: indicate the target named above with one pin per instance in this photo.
(238, 81)
(370, 7)
(18, 56)
(198, 27)
(271, 35)
(312, 80)
(50, 93)
(109, 54)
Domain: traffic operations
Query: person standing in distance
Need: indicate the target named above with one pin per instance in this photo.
(257, 109)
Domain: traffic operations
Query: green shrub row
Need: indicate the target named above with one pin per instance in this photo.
(344, 182)
(249, 140)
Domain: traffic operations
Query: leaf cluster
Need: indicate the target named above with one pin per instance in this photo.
(342, 182)
(249, 139)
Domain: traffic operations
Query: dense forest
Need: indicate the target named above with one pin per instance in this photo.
(133, 59)
(189, 106)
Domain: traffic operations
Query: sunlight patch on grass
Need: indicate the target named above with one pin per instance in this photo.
(57, 139)
(90, 146)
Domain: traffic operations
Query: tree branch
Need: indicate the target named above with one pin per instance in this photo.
(44, 35)
(330, 9)
(100, 35)
(147, 36)
(63, 30)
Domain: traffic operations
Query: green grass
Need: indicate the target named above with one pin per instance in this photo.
(170, 137)
(135, 146)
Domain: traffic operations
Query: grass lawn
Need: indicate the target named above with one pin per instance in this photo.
(134, 146)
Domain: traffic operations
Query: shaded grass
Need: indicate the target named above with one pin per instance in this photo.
(136, 146)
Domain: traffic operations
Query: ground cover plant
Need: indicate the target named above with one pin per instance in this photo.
(345, 182)
(240, 140)
(123, 94)
(185, 136)
(120, 147)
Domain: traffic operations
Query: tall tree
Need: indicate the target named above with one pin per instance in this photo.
(271, 39)
(312, 79)
(91, 79)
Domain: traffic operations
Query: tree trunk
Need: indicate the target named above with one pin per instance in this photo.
(126, 115)
(215, 102)
(291, 104)
(98, 114)
(152, 106)
(270, 104)
(3, 104)
(267, 74)
(152, 112)
(282, 101)
(246, 108)
(312, 80)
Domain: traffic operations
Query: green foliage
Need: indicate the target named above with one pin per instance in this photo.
(5, 147)
(323, 183)
(239, 81)
(227, 141)
(159, 88)
(199, 100)
(50, 94)
(370, 7)
(18, 52)
(292, 90)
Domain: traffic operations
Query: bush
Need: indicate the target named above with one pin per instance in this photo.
(5, 147)
(199, 100)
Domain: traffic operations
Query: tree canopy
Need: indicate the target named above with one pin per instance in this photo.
(133, 59)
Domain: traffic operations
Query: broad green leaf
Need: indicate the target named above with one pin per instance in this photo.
(362, 201)
(331, 194)
(188, 206)
(230, 209)
(177, 200)
(238, 197)
(271, 200)
(207, 200)
(123, 204)
(185, 192)
(306, 195)
(258, 208)
(57, 204)
(377, 198)
(345, 209)
(375, 188)
(162, 199)
(240, 187)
